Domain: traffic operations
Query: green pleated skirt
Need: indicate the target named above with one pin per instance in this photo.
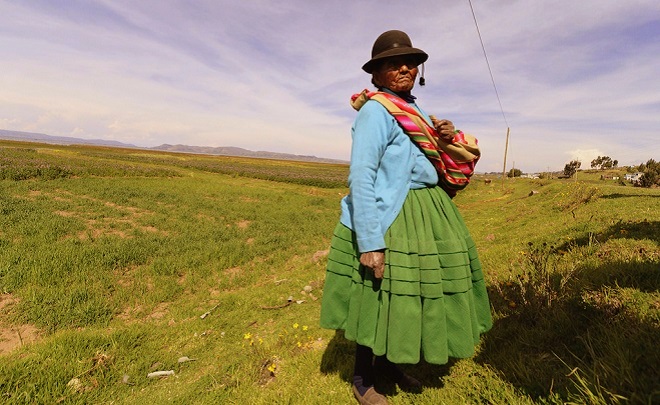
(432, 300)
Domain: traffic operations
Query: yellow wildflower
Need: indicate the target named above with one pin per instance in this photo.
(295, 325)
(304, 327)
(247, 336)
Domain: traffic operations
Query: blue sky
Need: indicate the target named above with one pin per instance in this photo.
(576, 79)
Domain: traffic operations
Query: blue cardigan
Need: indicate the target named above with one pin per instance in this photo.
(385, 165)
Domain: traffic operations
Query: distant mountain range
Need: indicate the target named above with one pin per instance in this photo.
(207, 150)
(58, 140)
(234, 151)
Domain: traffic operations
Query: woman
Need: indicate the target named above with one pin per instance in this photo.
(403, 277)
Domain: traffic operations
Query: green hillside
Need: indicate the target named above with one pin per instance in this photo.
(118, 263)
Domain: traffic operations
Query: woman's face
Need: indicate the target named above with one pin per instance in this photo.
(397, 73)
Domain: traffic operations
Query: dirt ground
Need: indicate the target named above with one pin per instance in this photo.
(13, 336)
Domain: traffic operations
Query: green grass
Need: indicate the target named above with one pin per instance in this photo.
(114, 255)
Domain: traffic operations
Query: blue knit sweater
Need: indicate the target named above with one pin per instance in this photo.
(385, 165)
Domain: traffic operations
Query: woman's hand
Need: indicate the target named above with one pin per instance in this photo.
(445, 128)
(375, 261)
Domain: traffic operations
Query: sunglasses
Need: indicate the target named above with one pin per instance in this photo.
(397, 62)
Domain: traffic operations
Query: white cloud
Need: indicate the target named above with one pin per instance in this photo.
(585, 156)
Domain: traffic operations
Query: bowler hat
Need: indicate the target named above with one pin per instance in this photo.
(393, 43)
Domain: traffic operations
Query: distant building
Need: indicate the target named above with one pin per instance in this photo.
(530, 176)
(633, 177)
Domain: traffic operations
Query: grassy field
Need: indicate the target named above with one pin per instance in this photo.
(118, 263)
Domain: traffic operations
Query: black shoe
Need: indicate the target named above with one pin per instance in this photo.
(394, 373)
(408, 383)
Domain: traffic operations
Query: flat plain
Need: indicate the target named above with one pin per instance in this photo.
(119, 263)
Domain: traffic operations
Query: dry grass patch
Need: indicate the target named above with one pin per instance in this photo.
(243, 224)
(121, 221)
(232, 272)
(159, 311)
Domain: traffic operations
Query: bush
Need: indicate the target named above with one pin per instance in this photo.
(571, 168)
(651, 176)
(514, 173)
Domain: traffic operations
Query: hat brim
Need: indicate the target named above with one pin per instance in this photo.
(418, 54)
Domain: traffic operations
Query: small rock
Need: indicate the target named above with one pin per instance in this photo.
(160, 374)
(308, 288)
(75, 384)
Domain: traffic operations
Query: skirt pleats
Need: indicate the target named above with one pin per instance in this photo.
(432, 300)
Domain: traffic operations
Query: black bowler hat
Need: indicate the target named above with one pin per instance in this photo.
(393, 43)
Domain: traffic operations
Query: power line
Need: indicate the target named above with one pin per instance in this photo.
(492, 79)
(488, 63)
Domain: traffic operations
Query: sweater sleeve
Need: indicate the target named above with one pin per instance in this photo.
(370, 138)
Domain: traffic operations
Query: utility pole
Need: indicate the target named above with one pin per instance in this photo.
(506, 149)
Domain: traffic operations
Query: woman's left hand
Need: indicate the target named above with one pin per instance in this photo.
(445, 129)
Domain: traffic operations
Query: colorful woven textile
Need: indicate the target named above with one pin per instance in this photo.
(454, 161)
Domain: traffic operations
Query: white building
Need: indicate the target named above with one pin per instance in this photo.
(633, 177)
